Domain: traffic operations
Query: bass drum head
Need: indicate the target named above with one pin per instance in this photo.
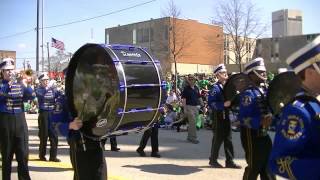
(282, 89)
(92, 87)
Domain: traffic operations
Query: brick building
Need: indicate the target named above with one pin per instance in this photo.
(200, 45)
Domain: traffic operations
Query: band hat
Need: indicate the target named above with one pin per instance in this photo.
(282, 70)
(43, 76)
(219, 68)
(306, 56)
(7, 63)
(255, 64)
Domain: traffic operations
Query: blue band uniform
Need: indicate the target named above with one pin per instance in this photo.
(296, 152)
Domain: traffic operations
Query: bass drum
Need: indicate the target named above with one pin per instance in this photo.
(114, 89)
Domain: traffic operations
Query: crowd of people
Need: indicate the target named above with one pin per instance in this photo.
(194, 100)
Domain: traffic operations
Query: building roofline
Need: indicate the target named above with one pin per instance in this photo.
(167, 17)
(318, 34)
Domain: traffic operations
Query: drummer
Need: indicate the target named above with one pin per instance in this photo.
(296, 151)
(86, 154)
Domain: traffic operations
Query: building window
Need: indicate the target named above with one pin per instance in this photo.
(134, 36)
(144, 35)
(140, 35)
(166, 32)
(108, 39)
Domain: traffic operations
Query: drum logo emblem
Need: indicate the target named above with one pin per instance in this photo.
(102, 123)
(127, 54)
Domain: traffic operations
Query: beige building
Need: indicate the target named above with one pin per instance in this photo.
(198, 46)
(286, 22)
(275, 51)
(246, 46)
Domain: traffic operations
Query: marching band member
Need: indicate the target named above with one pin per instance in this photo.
(46, 97)
(255, 118)
(13, 126)
(221, 120)
(86, 154)
(296, 151)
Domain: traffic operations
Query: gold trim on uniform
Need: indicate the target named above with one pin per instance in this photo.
(284, 165)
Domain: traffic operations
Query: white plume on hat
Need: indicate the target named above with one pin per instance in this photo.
(43, 76)
(306, 56)
(256, 64)
(7, 63)
(219, 68)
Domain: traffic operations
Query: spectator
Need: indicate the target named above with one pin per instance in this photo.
(191, 102)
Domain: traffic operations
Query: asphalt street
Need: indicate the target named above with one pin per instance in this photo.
(180, 159)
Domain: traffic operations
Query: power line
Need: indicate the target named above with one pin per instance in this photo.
(17, 34)
(79, 21)
(95, 17)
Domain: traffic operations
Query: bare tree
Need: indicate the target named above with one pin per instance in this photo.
(57, 62)
(241, 23)
(178, 36)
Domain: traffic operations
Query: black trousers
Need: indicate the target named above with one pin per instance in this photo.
(153, 132)
(113, 142)
(14, 140)
(222, 134)
(88, 164)
(257, 150)
(44, 133)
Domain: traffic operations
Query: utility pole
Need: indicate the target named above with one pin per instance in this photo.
(49, 69)
(24, 64)
(37, 44)
(42, 35)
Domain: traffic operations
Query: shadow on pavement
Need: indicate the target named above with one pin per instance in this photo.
(43, 169)
(169, 169)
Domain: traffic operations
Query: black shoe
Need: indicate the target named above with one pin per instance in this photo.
(115, 149)
(215, 165)
(141, 153)
(42, 158)
(232, 165)
(54, 160)
(193, 141)
(156, 154)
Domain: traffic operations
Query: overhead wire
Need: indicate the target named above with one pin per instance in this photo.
(79, 21)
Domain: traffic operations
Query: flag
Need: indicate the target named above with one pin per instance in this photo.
(57, 44)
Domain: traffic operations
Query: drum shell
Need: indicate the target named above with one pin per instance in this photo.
(123, 88)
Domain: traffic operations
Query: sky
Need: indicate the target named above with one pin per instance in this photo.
(18, 16)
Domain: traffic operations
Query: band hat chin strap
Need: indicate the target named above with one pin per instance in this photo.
(316, 66)
(259, 76)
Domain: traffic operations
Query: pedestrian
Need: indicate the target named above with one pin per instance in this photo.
(153, 133)
(191, 101)
(86, 152)
(220, 113)
(296, 150)
(255, 118)
(46, 99)
(13, 126)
